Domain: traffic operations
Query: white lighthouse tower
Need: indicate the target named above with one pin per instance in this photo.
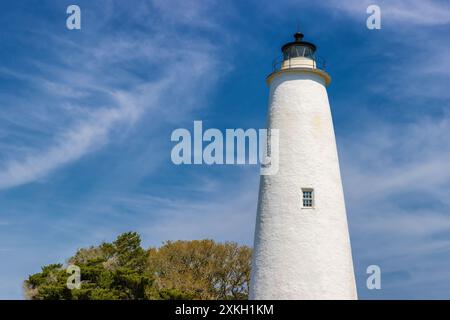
(302, 246)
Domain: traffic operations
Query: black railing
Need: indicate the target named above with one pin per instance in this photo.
(319, 63)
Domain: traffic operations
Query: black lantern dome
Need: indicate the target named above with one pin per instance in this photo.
(298, 48)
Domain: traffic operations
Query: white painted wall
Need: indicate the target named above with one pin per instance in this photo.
(302, 253)
(299, 62)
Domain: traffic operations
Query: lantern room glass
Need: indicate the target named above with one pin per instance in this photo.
(294, 51)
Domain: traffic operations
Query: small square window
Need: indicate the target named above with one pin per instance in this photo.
(308, 198)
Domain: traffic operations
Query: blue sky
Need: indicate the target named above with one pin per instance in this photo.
(86, 118)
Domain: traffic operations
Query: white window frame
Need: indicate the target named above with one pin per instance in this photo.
(311, 190)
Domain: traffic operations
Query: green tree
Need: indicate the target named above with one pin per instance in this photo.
(109, 271)
(122, 270)
(202, 269)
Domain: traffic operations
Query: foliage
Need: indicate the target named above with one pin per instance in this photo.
(202, 269)
(123, 270)
(110, 271)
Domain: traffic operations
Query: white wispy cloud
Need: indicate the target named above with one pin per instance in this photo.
(407, 12)
(399, 158)
(397, 181)
(69, 146)
(122, 95)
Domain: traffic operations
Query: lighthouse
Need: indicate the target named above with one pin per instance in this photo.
(302, 246)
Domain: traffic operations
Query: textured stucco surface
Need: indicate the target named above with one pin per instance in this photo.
(302, 253)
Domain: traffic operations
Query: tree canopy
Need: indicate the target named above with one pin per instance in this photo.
(122, 270)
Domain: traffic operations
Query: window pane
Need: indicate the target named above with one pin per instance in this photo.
(307, 198)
